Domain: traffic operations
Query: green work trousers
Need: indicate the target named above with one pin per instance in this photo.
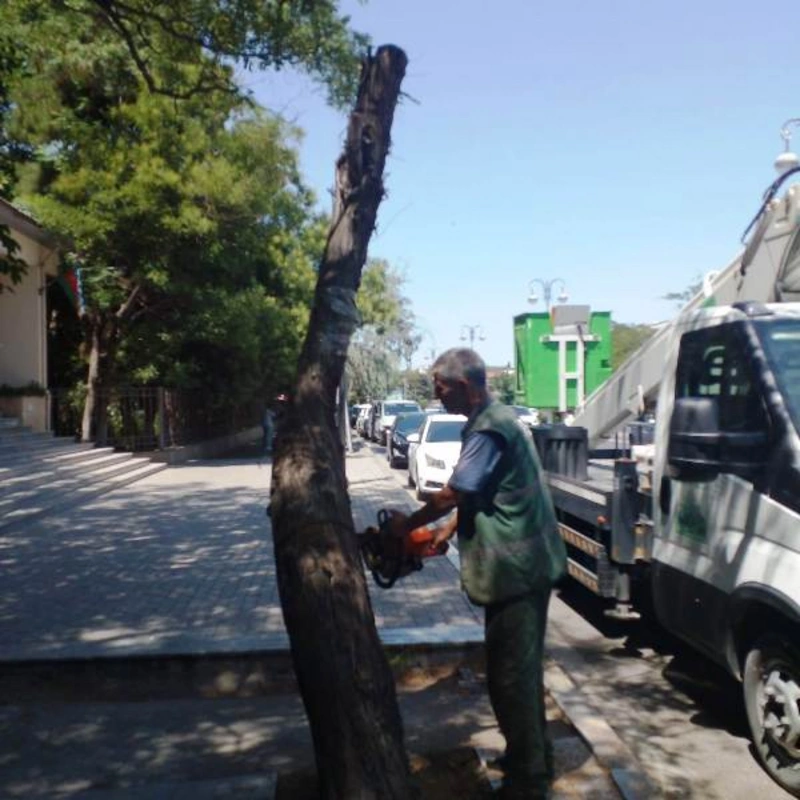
(515, 676)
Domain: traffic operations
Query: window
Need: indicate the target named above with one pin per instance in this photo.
(445, 431)
(781, 340)
(713, 363)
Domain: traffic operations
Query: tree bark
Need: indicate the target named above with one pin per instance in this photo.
(342, 670)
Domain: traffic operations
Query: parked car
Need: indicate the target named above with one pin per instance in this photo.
(433, 452)
(528, 416)
(363, 419)
(385, 412)
(397, 443)
(354, 411)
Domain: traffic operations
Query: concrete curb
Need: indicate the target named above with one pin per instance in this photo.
(208, 449)
(610, 751)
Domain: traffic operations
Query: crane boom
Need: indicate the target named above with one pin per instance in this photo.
(767, 270)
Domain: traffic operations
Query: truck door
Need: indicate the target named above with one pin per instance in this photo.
(709, 505)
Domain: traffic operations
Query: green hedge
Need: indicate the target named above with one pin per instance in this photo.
(33, 389)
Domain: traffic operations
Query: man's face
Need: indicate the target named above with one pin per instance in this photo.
(452, 395)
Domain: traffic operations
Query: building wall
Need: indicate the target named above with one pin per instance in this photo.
(23, 324)
(537, 360)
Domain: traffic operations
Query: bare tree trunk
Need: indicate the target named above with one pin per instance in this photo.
(344, 676)
(92, 379)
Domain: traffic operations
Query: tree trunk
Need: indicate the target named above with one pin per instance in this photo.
(92, 379)
(344, 676)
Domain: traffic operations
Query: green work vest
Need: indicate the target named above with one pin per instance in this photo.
(508, 541)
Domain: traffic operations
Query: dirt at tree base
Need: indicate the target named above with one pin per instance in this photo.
(455, 773)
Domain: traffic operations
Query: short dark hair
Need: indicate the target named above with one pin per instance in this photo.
(461, 364)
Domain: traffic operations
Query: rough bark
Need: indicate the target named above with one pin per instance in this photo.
(342, 670)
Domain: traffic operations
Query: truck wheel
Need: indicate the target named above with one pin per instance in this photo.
(772, 699)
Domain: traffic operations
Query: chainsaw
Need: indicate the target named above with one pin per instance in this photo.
(391, 557)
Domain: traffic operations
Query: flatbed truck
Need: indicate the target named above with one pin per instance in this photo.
(702, 507)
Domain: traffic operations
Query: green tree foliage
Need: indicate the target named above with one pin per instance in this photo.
(384, 345)
(683, 297)
(195, 235)
(65, 65)
(626, 339)
(11, 266)
(502, 386)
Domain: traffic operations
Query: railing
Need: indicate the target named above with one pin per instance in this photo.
(141, 418)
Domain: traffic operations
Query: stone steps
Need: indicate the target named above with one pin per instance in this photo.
(42, 475)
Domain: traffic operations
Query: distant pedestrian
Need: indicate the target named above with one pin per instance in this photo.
(511, 554)
(268, 430)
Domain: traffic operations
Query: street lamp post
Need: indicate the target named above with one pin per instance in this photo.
(469, 332)
(547, 290)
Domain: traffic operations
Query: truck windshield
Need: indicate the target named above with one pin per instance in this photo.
(781, 342)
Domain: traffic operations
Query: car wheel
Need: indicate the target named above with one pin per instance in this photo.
(391, 457)
(420, 495)
(772, 699)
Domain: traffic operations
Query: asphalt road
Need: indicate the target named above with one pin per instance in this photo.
(681, 715)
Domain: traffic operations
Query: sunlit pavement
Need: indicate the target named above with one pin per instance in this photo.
(182, 563)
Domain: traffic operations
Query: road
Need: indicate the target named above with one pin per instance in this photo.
(681, 715)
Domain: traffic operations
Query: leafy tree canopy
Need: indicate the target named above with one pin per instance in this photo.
(626, 339)
(74, 75)
(387, 339)
(184, 47)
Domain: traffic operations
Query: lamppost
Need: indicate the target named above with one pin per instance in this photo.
(787, 160)
(469, 332)
(547, 289)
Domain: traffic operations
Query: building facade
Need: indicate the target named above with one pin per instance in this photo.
(23, 319)
(561, 356)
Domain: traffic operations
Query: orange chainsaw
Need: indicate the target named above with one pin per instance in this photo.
(391, 557)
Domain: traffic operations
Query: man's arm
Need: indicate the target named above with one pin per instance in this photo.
(440, 504)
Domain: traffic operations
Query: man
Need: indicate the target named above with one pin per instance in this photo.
(510, 553)
(267, 430)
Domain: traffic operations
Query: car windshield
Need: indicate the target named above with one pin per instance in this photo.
(781, 342)
(445, 430)
(408, 423)
(389, 409)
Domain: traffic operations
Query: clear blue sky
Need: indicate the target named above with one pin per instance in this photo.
(620, 146)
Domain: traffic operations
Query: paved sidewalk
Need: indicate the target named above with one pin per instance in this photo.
(181, 563)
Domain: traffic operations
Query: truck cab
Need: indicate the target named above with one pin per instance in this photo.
(726, 509)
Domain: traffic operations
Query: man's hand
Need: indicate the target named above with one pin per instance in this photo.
(446, 530)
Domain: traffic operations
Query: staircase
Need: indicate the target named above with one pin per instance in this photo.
(41, 474)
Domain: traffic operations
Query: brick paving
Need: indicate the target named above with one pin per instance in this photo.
(181, 563)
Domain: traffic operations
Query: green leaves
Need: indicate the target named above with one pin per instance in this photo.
(182, 201)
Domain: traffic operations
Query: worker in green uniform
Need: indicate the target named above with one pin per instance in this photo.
(510, 553)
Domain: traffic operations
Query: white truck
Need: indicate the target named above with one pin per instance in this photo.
(708, 517)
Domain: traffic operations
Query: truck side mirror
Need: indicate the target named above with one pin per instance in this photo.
(698, 450)
(694, 439)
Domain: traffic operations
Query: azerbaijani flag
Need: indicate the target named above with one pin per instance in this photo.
(69, 279)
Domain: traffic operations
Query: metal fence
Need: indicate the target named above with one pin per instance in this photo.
(138, 418)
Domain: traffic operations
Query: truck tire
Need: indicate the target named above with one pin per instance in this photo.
(772, 699)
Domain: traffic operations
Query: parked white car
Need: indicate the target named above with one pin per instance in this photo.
(528, 416)
(385, 414)
(433, 452)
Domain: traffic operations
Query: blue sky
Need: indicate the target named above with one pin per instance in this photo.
(620, 146)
